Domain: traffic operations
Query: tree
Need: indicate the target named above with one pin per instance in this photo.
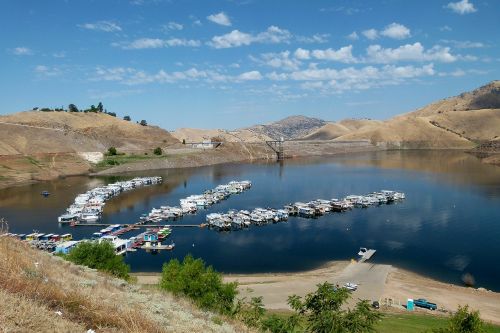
(183, 141)
(202, 284)
(93, 108)
(322, 310)
(112, 151)
(127, 118)
(101, 256)
(100, 107)
(157, 151)
(463, 321)
(72, 108)
(143, 123)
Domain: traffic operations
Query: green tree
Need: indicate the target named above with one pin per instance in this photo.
(93, 108)
(143, 123)
(112, 151)
(157, 151)
(72, 108)
(202, 284)
(276, 324)
(100, 107)
(127, 118)
(463, 321)
(323, 312)
(101, 256)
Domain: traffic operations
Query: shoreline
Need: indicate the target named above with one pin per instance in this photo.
(385, 283)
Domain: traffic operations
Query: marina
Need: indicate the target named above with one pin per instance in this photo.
(88, 206)
(422, 234)
(235, 220)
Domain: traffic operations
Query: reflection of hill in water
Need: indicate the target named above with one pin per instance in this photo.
(458, 166)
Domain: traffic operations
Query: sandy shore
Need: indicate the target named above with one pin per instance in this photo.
(376, 282)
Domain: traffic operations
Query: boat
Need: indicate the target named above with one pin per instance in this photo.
(45, 193)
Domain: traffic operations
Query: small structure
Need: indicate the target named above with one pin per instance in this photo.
(151, 239)
(410, 305)
(65, 247)
(205, 144)
(120, 245)
(277, 147)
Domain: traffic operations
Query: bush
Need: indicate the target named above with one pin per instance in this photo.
(202, 284)
(100, 256)
(464, 321)
(143, 123)
(276, 324)
(323, 311)
(127, 118)
(157, 151)
(112, 151)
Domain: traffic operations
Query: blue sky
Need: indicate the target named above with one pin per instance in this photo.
(230, 64)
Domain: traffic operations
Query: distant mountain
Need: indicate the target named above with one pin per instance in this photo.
(458, 122)
(33, 132)
(294, 127)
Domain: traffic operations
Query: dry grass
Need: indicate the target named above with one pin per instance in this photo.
(41, 284)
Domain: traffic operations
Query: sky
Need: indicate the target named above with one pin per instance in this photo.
(235, 63)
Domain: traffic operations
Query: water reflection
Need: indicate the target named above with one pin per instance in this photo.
(447, 225)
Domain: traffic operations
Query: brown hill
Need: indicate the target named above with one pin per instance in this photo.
(333, 130)
(449, 123)
(198, 135)
(61, 132)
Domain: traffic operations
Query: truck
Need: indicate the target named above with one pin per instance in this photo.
(423, 303)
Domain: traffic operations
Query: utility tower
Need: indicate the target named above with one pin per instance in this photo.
(277, 147)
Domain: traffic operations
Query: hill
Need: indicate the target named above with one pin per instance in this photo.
(333, 130)
(34, 132)
(294, 127)
(463, 121)
(43, 293)
(198, 135)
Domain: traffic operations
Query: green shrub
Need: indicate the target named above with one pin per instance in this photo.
(100, 256)
(157, 151)
(323, 311)
(202, 284)
(276, 324)
(463, 321)
(112, 151)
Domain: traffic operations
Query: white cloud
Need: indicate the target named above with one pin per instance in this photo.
(302, 54)
(464, 44)
(250, 76)
(220, 18)
(316, 38)
(344, 54)
(154, 43)
(337, 81)
(370, 34)
(131, 76)
(235, 38)
(46, 71)
(21, 50)
(279, 60)
(408, 52)
(174, 26)
(445, 28)
(461, 7)
(396, 31)
(353, 36)
(61, 54)
(106, 26)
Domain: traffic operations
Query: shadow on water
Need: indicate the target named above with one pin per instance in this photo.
(447, 226)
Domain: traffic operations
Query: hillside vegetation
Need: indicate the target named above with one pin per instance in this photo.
(33, 132)
(42, 293)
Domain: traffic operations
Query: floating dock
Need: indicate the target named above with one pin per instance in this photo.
(367, 255)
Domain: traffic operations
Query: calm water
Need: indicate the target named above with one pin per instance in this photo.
(448, 225)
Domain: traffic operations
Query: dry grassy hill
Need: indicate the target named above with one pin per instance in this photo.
(43, 293)
(463, 121)
(33, 132)
(333, 130)
(198, 135)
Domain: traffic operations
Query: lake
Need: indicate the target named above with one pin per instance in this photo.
(448, 225)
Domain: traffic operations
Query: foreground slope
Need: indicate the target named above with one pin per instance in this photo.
(34, 132)
(463, 121)
(42, 293)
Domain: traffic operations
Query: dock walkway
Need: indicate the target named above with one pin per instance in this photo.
(367, 255)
